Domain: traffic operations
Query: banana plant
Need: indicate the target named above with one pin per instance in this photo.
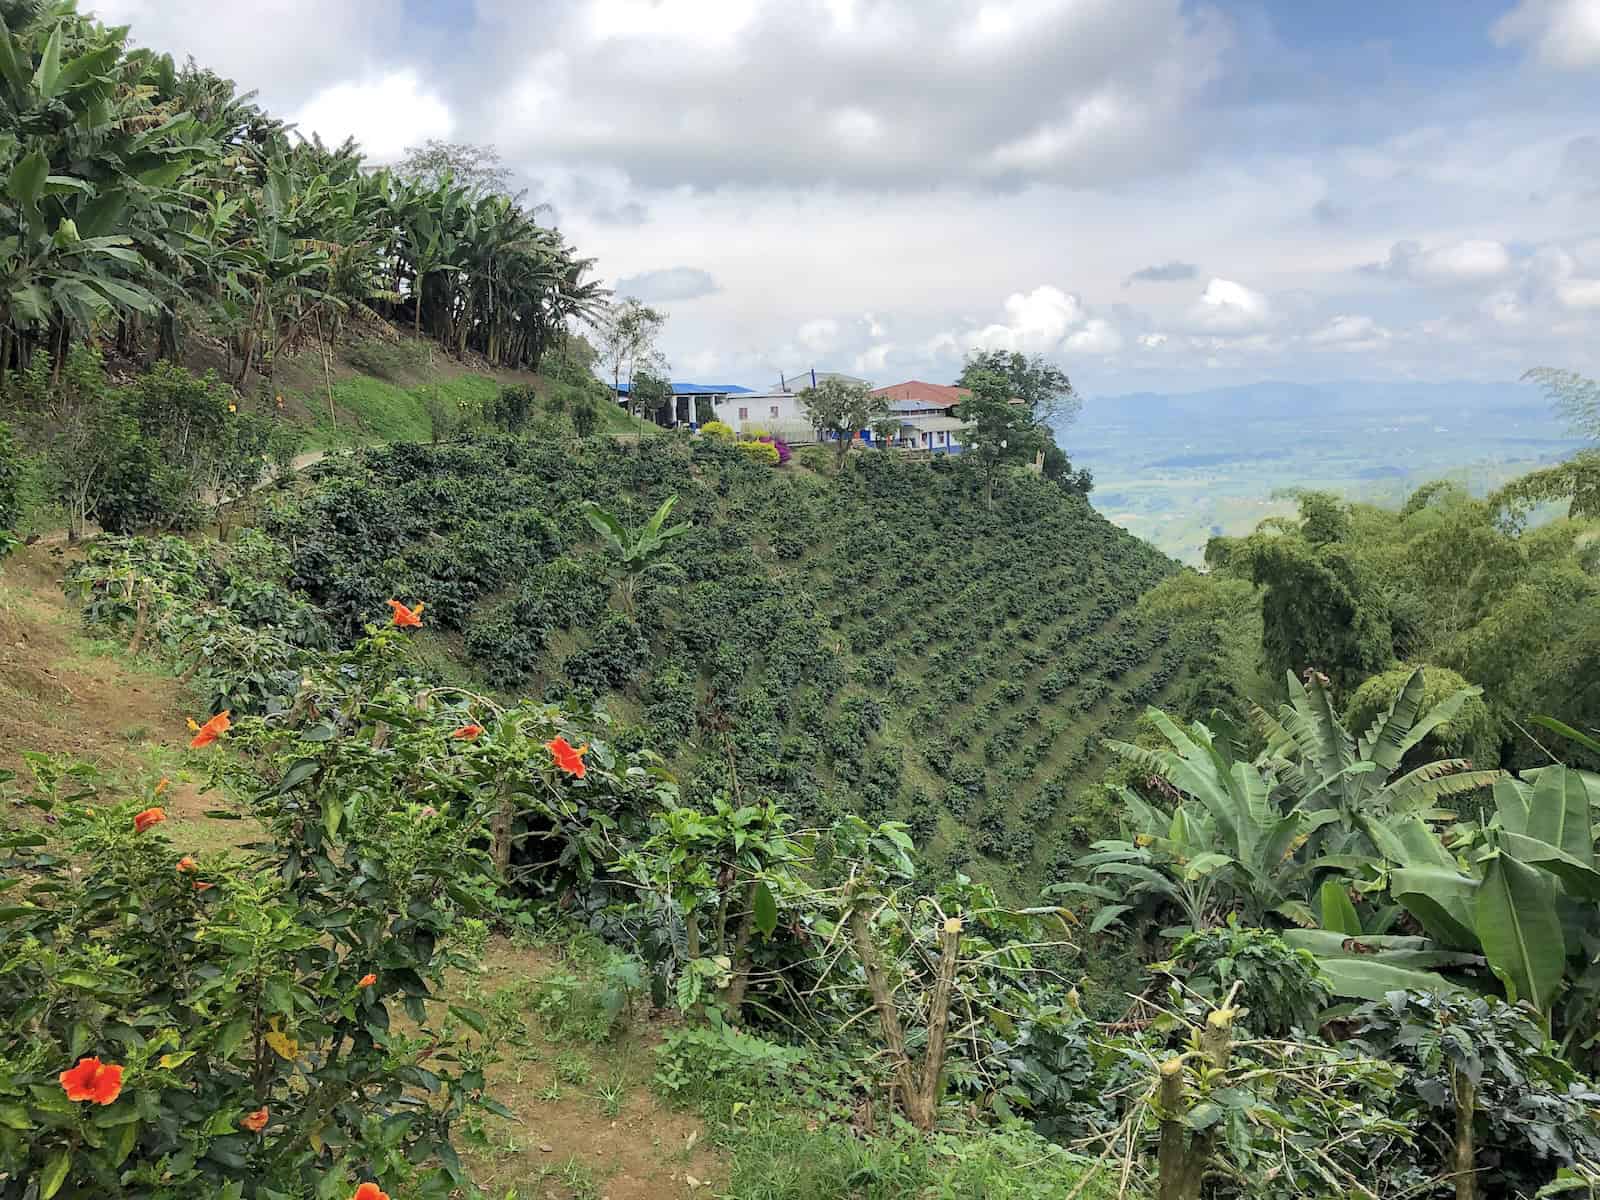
(1518, 896)
(635, 551)
(1233, 835)
(1360, 780)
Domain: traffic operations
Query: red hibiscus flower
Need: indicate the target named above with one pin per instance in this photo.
(256, 1121)
(149, 817)
(568, 759)
(211, 730)
(369, 1191)
(468, 733)
(93, 1080)
(405, 618)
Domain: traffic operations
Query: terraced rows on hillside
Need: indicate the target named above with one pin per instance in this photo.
(876, 642)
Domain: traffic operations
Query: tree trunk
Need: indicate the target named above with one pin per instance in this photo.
(894, 1038)
(1172, 1152)
(733, 996)
(939, 1018)
(500, 835)
(139, 623)
(1181, 1159)
(1462, 1156)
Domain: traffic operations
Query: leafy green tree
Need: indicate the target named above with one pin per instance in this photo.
(1228, 842)
(1322, 604)
(10, 479)
(1000, 434)
(1038, 383)
(841, 410)
(1364, 780)
(476, 168)
(650, 394)
(84, 427)
(626, 333)
(585, 416)
(1470, 733)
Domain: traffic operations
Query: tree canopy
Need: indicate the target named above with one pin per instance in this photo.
(842, 409)
(1037, 382)
(147, 200)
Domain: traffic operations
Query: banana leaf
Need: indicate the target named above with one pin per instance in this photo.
(1520, 930)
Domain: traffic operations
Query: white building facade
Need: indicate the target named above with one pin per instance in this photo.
(777, 413)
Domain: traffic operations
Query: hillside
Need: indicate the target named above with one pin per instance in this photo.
(874, 643)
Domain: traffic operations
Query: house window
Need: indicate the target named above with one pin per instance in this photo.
(744, 414)
(773, 412)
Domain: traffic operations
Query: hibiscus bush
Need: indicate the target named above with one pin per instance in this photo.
(247, 1025)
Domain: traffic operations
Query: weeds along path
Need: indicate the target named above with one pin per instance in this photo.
(585, 1124)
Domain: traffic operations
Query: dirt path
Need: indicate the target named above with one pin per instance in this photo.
(585, 1125)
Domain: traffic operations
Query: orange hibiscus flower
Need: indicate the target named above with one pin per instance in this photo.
(203, 886)
(568, 759)
(93, 1080)
(369, 1191)
(187, 864)
(211, 730)
(149, 817)
(406, 618)
(256, 1121)
(367, 981)
(468, 733)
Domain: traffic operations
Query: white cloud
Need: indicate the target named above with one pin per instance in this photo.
(385, 114)
(819, 336)
(1096, 337)
(1559, 33)
(1579, 293)
(1504, 308)
(694, 21)
(1350, 333)
(1229, 307)
(873, 359)
(1035, 322)
(1469, 261)
(286, 48)
(1152, 341)
(884, 93)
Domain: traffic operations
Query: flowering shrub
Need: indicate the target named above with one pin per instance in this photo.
(720, 430)
(761, 452)
(175, 1026)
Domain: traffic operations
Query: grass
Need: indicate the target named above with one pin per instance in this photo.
(787, 1157)
(377, 411)
(374, 410)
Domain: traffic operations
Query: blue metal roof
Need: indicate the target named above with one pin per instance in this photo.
(700, 389)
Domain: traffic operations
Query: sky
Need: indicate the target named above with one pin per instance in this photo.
(1157, 194)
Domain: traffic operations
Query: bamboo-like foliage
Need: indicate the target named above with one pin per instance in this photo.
(138, 197)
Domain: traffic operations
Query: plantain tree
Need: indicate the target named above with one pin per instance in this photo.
(634, 551)
(1323, 767)
(1228, 844)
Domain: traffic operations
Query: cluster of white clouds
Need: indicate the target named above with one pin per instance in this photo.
(881, 186)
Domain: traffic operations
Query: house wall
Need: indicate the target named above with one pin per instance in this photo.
(763, 411)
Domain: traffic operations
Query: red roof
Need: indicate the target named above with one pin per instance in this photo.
(934, 395)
